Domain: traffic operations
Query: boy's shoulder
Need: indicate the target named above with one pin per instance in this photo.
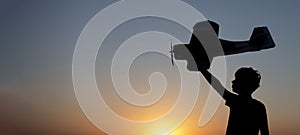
(235, 100)
(258, 103)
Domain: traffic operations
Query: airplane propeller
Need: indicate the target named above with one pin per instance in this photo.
(172, 54)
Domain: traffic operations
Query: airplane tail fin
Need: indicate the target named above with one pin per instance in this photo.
(261, 38)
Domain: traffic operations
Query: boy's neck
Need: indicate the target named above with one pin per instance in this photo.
(245, 96)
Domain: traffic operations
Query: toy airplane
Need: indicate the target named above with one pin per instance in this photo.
(194, 52)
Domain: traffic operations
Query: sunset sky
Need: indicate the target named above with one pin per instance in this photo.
(38, 38)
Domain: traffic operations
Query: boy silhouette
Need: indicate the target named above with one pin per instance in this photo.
(247, 115)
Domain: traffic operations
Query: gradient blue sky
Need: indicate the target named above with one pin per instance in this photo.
(37, 40)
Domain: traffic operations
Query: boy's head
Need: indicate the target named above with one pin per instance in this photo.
(246, 81)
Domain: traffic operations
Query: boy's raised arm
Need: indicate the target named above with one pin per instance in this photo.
(216, 84)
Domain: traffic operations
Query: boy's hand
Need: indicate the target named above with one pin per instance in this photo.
(203, 63)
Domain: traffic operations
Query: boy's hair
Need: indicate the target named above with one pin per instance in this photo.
(250, 76)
